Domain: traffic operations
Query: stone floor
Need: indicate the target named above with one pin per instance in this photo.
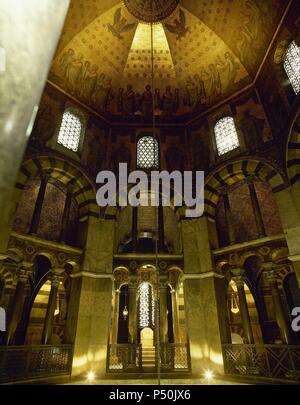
(187, 381)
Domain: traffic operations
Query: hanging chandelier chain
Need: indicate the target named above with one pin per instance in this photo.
(157, 326)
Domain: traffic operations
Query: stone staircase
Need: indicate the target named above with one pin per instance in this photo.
(148, 357)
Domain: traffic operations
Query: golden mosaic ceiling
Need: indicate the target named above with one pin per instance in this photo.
(205, 50)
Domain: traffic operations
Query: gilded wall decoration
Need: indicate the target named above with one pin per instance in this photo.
(178, 26)
(119, 25)
(204, 52)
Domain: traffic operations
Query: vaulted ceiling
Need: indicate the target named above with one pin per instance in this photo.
(207, 49)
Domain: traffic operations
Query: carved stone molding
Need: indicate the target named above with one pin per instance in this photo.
(31, 246)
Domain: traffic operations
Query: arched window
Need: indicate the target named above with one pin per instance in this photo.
(147, 153)
(292, 65)
(226, 135)
(71, 130)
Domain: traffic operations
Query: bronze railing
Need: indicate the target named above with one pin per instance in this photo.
(175, 357)
(124, 357)
(271, 361)
(19, 363)
(127, 357)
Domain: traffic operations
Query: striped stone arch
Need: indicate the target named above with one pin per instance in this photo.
(230, 173)
(7, 277)
(282, 274)
(68, 174)
(293, 151)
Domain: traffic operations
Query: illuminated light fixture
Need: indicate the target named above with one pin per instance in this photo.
(209, 375)
(125, 313)
(91, 376)
(234, 308)
(125, 310)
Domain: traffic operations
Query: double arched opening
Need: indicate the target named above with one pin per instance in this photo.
(53, 198)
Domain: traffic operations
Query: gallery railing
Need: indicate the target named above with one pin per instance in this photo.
(127, 357)
(124, 357)
(175, 357)
(33, 362)
(270, 361)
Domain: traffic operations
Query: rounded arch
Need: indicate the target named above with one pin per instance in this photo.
(66, 172)
(7, 278)
(237, 170)
(293, 150)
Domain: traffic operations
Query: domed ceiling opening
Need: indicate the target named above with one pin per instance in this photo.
(204, 52)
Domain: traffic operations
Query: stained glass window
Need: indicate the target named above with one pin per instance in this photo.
(147, 153)
(226, 135)
(70, 131)
(292, 65)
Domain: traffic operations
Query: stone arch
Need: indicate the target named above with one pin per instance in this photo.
(66, 172)
(237, 170)
(121, 276)
(7, 277)
(293, 151)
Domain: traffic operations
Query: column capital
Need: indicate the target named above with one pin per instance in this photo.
(71, 187)
(45, 176)
(250, 179)
(58, 271)
(24, 271)
(162, 285)
(55, 279)
(224, 190)
(271, 276)
(270, 272)
(174, 275)
(238, 276)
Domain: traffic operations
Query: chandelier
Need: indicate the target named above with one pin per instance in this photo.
(151, 11)
(234, 307)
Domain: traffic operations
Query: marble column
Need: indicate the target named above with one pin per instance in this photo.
(174, 275)
(29, 32)
(228, 217)
(256, 209)
(49, 319)
(278, 306)
(176, 330)
(66, 217)
(163, 320)
(18, 300)
(132, 292)
(115, 318)
(36, 216)
(239, 280)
